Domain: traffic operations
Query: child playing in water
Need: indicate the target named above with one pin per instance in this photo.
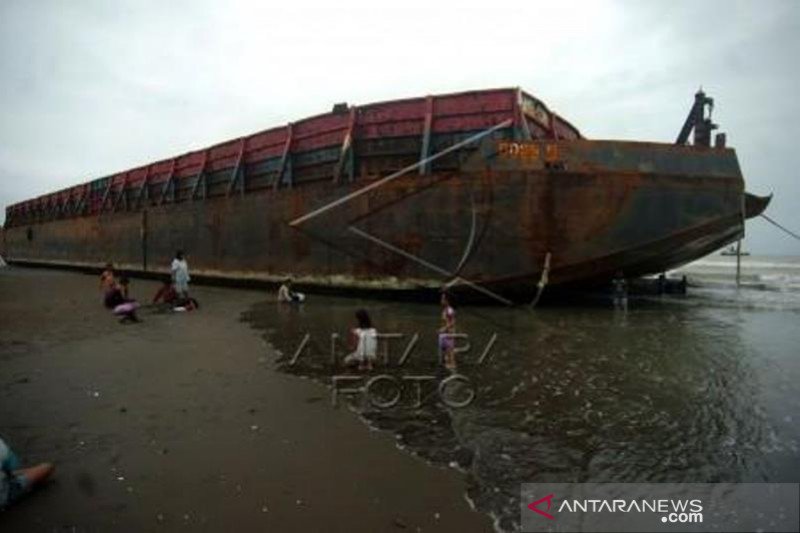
(447, 333)
(365, 340)
(15, 482)
(287, 295)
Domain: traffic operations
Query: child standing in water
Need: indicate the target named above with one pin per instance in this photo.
(447, 333)
(620, 290)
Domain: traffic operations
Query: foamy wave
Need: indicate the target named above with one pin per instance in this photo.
(775, 273)
(726, 294)
(759, 282)
(750, 265)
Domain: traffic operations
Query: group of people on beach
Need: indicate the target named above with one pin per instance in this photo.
(173, 293)
(16, 481)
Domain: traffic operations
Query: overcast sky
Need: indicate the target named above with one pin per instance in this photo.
(88, 88)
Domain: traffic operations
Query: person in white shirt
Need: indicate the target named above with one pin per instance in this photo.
(180, 274)
(365, 339)
(288, 295)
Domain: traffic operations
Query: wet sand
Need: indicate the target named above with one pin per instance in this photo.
(182, 422)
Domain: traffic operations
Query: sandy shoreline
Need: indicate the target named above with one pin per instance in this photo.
(181, 421)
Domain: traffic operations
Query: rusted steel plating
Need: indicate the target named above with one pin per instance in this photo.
(320, 147)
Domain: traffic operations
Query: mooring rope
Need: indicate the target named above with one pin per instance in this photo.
(542, 281)
(788, 231)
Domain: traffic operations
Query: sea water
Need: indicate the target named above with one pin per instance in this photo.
(697, 388)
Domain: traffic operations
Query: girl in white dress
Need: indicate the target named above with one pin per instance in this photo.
(365, 339)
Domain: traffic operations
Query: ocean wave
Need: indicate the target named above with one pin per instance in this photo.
(731, 264)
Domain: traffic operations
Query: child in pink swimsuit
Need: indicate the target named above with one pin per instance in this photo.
(447, 331)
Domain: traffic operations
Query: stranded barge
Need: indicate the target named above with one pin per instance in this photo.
(488, 191)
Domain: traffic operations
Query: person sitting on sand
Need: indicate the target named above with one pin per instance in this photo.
(15, 482)
(166, 293)
(364, 338)
(120, 303)
(107, 278)
(185, 304)
(447, 332)
(287, 295)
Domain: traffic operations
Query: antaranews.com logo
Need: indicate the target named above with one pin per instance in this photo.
(672, 511)
(701, 507)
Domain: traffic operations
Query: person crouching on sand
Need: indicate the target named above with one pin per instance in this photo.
(169, 298)
(364, 338)
(166, 293)
(120, 303)
(180, 274)
(15, 481)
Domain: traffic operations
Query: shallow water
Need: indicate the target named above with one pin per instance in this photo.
(702, 388)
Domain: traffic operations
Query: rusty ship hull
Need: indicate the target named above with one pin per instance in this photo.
(487, 192)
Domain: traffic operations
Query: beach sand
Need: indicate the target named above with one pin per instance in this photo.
(182, 422)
